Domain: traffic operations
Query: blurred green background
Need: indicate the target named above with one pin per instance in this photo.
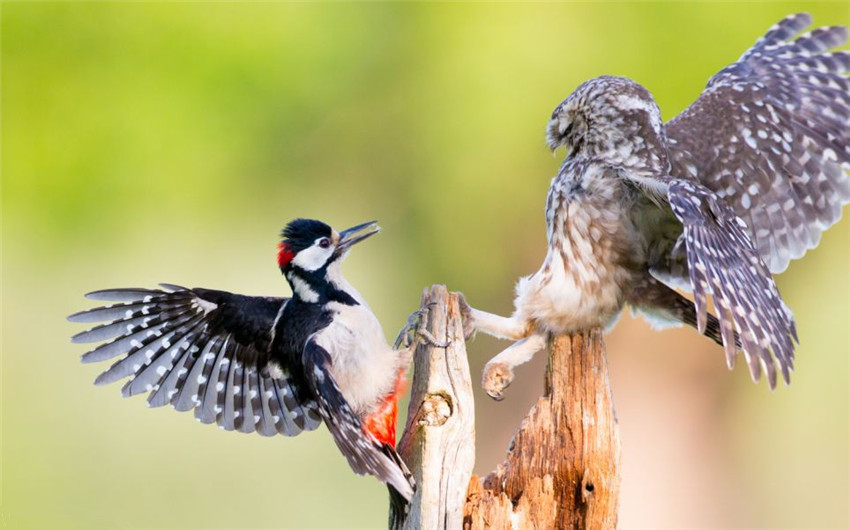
(148, 142)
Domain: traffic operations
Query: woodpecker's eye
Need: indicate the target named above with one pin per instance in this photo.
(325, 242)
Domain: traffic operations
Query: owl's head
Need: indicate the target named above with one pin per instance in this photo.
(612, 118)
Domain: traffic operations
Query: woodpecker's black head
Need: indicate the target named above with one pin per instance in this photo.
(309, 251)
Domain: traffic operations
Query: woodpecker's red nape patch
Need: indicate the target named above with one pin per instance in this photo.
(381, 423)
(284, 254)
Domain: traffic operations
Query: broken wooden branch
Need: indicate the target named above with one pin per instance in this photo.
(438, 443)
(562, 467)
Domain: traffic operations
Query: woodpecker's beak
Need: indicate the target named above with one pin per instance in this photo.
(356, 234)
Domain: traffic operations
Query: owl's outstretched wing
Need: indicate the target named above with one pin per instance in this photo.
(722, 262)
(715, 256)
(770, 135)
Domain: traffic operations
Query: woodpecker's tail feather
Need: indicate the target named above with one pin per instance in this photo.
(395, 457)
(399, 505)
(399, 508)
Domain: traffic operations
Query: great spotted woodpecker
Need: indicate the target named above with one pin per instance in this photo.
(264, 364)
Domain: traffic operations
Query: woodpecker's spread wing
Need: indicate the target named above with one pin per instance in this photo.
(771, 136)
(199, 349)
(364, 454)
(722, 261)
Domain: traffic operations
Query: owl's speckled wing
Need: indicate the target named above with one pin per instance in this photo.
(771, 136)
(723, 262)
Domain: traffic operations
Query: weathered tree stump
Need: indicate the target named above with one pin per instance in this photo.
(438, 442)
(562, 467)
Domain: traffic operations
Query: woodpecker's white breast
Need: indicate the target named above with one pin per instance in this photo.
(364, 365)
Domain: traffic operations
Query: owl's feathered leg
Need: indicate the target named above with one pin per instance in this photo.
(507, 328)
(499, 371)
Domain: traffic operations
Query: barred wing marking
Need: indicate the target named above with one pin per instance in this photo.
(723, 262)
(199, 349)
(771, 136)
(364, 454)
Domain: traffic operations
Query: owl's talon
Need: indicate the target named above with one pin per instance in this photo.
(466, 317)
(497, 377)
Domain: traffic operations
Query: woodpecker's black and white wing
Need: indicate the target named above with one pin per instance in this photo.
(722, 261)
(364, 454)
(199, 349)
(771, 136)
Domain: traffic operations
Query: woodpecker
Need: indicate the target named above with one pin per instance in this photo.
(714, 202)
(265, 364)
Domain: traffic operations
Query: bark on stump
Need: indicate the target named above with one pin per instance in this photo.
(562, 467)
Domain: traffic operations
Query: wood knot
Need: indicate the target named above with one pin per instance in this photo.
(587, 487)
(436, 409)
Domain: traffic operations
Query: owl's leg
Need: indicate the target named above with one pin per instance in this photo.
(508, 328)
(499, 371)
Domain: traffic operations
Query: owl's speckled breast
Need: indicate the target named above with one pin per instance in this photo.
(594, 252)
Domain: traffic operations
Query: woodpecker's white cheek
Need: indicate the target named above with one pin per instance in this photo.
(312, 258)
(303, 289)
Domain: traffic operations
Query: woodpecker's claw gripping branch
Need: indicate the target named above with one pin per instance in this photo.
(415, 329)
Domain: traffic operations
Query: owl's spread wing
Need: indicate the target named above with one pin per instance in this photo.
(199, 349)
(771, 136)
(723, 262)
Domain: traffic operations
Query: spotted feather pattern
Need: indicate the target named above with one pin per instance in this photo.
(723, 263)
(189, 348)
(771, 136)
(365, 455)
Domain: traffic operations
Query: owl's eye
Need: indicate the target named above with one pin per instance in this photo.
(325, 242)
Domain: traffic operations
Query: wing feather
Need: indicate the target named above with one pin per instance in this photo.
(209, 410)
(771, 136)
(723, 263)
(198, 349)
